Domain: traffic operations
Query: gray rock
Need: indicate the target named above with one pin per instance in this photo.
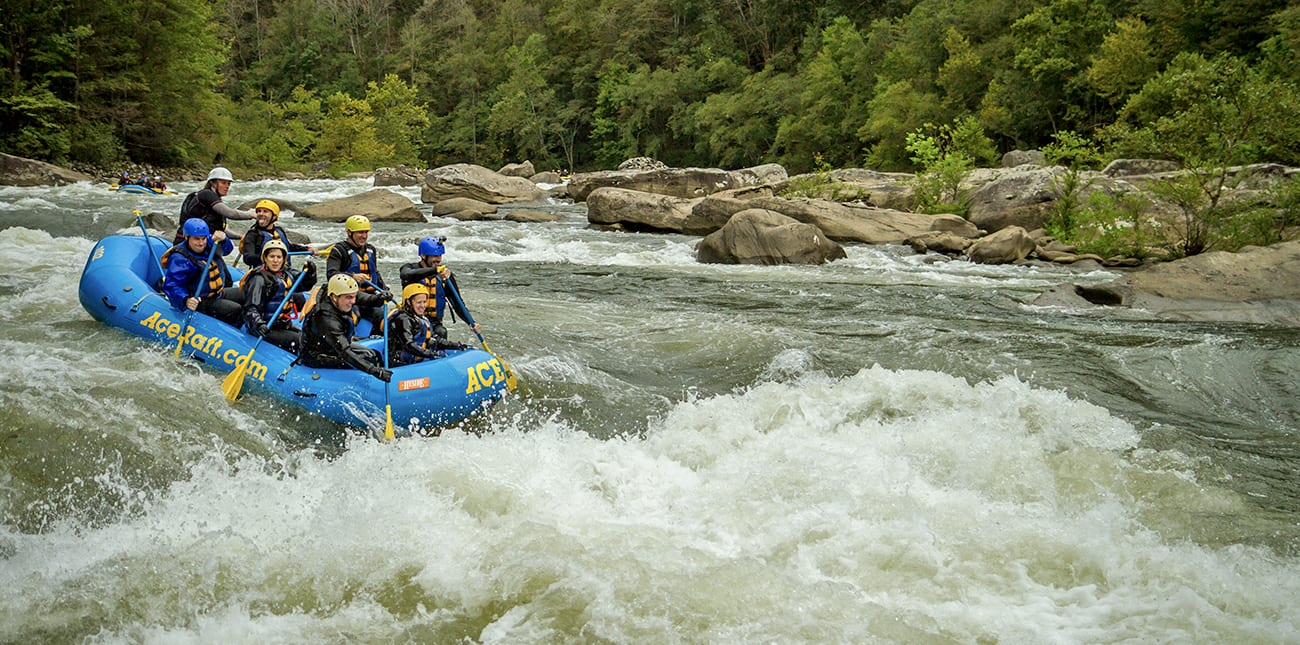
(524, 170)
(1016, 158)
(17, 171)
(757, 236)
(1008, 245)
(636, 210)
(379, 204)
(476, 182)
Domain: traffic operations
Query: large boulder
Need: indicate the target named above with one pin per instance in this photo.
(1131, 167)
(894, 190)
(758, 236)
(687, 183)
(524, 170)
(1008, 245)
(17, 171)
(464, 208)
(1016, 158)
(712, 212)
(379, 204)
(399, 176)
(1258, 285)
(1022, 197)
(863, 223)
(477, 182)
(636, 210)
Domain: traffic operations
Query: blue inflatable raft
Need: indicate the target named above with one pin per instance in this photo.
(137, 189)
(115, 289)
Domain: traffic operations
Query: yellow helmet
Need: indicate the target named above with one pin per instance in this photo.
(357, 223)
(274, 244)
(414, 289)
(270, 206)
(341, 284)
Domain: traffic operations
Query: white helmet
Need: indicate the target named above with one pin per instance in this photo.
(220, 172)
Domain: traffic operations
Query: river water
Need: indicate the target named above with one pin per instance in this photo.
(888, 448)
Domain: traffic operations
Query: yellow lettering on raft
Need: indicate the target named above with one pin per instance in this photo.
(496, 369)
(486, 380)
(474, 385)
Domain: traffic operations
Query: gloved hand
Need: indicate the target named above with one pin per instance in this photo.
(386, 295)
(438, 353)
(460, 346)
(311, 267)
(382, 374)
(262, 329)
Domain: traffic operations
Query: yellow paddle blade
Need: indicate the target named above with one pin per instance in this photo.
(389, 435)
(234, 381)
(179, 346)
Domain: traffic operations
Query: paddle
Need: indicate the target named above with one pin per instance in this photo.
(512, 382)
(189, 313)
(388, 408)
(139, 219)
(235, 380)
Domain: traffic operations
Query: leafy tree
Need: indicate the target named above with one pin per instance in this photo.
(400, 118)
(945, 155)
(833, 91)
(1125, 60)
(348, 134)
(1210, 115)
(523, 119)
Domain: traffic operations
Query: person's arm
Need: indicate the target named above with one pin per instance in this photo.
(249, 249)
(414, 272)
(253, 301)
(232, 213)
(402, 336)
(343, 347)
(179, 272)
(336, 262)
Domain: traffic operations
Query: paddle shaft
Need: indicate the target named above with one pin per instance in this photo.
(139, 219)
(235, 381)
(203, 274)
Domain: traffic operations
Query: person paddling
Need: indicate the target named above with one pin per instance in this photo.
(266, 287)
(183, 266)
(411, 338)
(328, 333)
(206, 205)
(431, 272)
(263, 230)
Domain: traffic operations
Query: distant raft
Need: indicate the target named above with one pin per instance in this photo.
(116, 289)
(137, 189)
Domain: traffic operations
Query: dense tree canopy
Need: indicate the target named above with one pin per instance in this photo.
(282, 84)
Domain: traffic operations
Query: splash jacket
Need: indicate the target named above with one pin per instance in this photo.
(250, 246)
(346, 258)
(411, 338)
(264, 290)
(327, 337)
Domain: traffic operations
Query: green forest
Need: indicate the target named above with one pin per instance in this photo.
(275, 85)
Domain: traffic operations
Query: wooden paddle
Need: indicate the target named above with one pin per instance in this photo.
(511, 381)
(235, 380)
(203, 277)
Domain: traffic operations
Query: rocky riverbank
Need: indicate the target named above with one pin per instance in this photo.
(748, 216)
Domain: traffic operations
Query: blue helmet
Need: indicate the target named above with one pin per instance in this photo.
(432, 246)
(195, 227)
